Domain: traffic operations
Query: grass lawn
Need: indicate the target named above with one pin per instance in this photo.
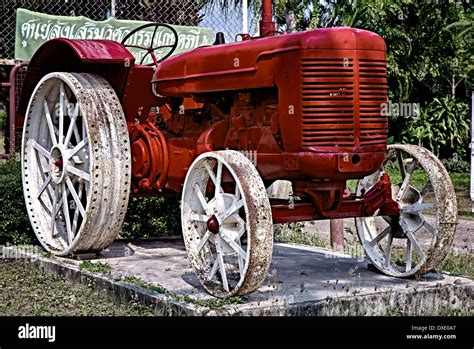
(27, 291)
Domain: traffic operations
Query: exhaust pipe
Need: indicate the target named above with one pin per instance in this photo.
(267, 26)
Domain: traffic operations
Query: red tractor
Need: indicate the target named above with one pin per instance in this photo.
(308, 109)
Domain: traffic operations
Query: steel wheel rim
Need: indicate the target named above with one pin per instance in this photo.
(57, 146)
(413, 225)
(224, 261)
(93, 135)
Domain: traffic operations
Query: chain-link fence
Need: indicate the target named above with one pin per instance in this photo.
(178, 12)
(204, 13)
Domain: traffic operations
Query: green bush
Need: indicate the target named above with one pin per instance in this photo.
(456, 165)
(146, 217)
(151, 217)
(442, 127)
(15, 225)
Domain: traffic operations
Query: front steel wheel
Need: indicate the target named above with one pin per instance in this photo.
(75, 163)
(227, 223)
(418, 239)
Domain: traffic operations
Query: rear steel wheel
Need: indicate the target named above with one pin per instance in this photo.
(75, 163)
(227, 223)
(419, 239)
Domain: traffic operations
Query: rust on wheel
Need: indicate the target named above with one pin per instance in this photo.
(75, 163)
(417, 240)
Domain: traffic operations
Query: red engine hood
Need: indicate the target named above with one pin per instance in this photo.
(243, 57)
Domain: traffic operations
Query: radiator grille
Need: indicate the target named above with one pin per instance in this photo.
(329, 112)
(372, 93)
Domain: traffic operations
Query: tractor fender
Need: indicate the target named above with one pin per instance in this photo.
(107, 58)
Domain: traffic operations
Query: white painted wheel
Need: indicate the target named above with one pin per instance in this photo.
(227, 223)
(75, 163)
(419, 239)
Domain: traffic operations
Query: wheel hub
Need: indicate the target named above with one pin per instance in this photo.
(213, 224)
(407, 221)
(58, 165)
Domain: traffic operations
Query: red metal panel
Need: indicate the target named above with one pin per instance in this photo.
(104, 57)
(93, 51)
(241, 65)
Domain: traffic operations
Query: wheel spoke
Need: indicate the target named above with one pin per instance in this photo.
(241, 232)
(44, 177)
(220, 259)
(66, 215)
(40, 149)
(236, 206)
(72, 126)
(203, 241)
(430, 228)
(212, 176)
(75, 196)
(401, 165)
(54, 209)
(241, 261)
(234, 245)
(61, 201)
(409, 256)
(406, 180)
(76, 133)
(201, 198)
(78, 147)
(241, 223)
(415, 243)
(239, 219)
(415, 208)
(213, 270)
(218, 178)
(61, 113)
(379, 237)
(44, 185)
(76, 211)
(79, 173)
(388, 252)
(198, 217)
(50, 123)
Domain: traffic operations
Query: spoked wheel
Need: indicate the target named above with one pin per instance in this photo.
(419, 239)
(75, 163)
(227, 223)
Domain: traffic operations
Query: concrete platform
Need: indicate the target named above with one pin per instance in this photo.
(302, 281)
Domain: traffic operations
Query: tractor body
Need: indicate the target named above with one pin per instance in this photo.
(220, 125)
(305, 107)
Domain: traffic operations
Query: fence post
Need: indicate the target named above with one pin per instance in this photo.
(245, 25)
(113, 11)
(337, 234)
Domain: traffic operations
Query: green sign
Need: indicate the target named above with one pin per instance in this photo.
(33, 29)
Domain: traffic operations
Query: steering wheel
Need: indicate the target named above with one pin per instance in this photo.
(151, 49)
